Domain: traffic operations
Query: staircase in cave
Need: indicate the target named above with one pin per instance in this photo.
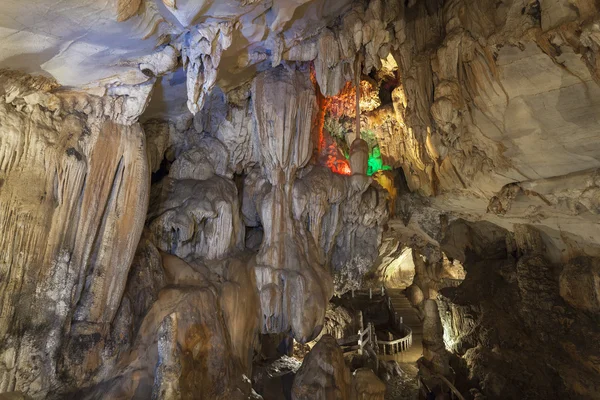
(410, 317)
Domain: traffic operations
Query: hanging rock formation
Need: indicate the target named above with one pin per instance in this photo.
(201, 52)
(288, 266)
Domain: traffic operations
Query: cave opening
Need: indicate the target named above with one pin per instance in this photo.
(162, 171)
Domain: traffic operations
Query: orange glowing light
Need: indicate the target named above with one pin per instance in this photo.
(336, 161)
(328, 152)
(343, 106)
(344, 103)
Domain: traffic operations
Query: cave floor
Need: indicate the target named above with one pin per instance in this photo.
(404, 387)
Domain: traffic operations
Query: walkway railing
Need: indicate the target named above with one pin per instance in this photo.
(368, 291)
(454, 392)
(367, 337)
(398, 345)
(364, 338)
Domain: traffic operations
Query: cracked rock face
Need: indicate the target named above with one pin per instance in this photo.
(74, 198)
(538, 320)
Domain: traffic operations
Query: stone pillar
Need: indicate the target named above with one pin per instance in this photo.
(359, 157)
(294, 287)
(434, 350)
(359, 160)
(168, 369)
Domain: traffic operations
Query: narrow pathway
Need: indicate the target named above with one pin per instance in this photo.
(410, 318)
(405, 386)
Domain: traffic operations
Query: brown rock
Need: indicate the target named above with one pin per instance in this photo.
(367, 385)
(323, 374)
(580, 284)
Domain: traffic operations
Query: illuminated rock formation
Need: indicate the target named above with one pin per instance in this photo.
(178, 178)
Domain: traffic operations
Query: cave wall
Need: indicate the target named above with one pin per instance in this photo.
(146, 287)
(498, 120)
(516, 321)
(497, 105)
(500, 317)
(74, 198)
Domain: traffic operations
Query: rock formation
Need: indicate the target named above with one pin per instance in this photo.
(74, 197)
(183, 182)
(367, 385)
(524, 316)
(323, 374)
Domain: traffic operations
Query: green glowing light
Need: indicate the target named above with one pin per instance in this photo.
(337, 131)
(375, 162)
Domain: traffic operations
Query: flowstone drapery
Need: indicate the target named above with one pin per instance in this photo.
(294, 287)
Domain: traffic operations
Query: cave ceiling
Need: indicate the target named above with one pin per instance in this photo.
(97, 45)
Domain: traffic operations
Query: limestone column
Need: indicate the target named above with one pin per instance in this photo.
(294, 287)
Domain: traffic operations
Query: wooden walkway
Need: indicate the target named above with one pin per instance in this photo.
(403, 321)
(411, 319)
